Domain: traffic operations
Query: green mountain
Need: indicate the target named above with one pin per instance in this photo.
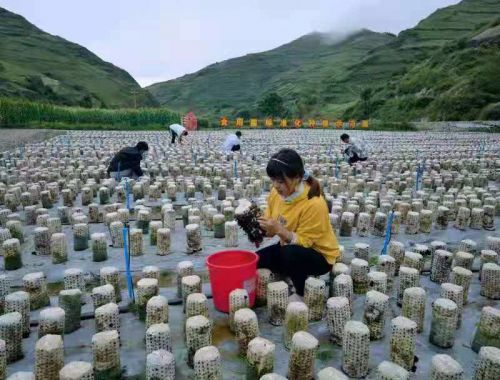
(36, 65)
(458, 82)
(296, 71)
(430, 71)
(446, 68)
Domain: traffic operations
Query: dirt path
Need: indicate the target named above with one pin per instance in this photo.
(12, 138)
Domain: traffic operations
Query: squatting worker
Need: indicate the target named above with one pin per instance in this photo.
(177, 130)
(127, 162)
(298, 214)
(352, 151)
(232, 143)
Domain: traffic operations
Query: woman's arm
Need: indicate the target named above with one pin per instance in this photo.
(286, 236)
(273, 228)
(313, 223)
(137, 169)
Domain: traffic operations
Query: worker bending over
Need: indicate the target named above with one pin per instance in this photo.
(352, 151)
(127, 162)
(232, 143)
(177, 130)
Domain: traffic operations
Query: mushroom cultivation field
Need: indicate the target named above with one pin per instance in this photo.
(106, 278)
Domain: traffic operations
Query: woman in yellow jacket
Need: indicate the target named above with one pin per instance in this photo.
(298, 214)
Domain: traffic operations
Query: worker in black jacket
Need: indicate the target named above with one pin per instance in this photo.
(127, 162)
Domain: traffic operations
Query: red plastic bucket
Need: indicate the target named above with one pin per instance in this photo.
(229, 270)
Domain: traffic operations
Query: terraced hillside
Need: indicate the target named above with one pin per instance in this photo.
(292, 70)
(316, 79)
(455, 76)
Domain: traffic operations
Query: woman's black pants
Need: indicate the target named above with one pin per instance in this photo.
(174, 135)
(356, 158)
(293, 261)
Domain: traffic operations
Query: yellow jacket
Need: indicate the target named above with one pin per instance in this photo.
(308, 219)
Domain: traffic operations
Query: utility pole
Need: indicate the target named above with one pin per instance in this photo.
(134, 93)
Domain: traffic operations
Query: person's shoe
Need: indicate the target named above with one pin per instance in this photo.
(295, 298)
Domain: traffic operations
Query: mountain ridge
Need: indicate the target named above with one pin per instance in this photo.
(329, 88)
(271, 70)
(40, 66)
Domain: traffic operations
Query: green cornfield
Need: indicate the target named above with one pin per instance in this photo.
(21, 113)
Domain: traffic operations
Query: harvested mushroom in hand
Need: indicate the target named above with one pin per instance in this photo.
(247, 214)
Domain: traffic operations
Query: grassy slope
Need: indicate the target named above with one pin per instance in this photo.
(454, 76)
(457, 83)
(435, 31)
(327, 80)
(40, 66)
(296, 70)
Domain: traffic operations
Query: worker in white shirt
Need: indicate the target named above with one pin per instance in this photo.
(232, 143)
(352, 150)
(177, 130)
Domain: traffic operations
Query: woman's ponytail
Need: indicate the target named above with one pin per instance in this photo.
(314, 187)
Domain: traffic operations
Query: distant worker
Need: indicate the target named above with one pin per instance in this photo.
(232, 143)
(177, 130)
(352, 151)
(127, 162)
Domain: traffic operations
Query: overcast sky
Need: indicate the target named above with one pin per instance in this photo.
(156, 40)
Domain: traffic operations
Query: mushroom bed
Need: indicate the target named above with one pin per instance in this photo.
(425, 307)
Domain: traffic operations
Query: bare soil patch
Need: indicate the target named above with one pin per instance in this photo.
(13, 138)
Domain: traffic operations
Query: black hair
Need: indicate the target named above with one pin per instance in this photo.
(344, 137)
(185, 133)
(142, 145)
(288, 163)
(238, 133)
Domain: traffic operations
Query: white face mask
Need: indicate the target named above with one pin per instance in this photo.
(144, 155)
(298, 191)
